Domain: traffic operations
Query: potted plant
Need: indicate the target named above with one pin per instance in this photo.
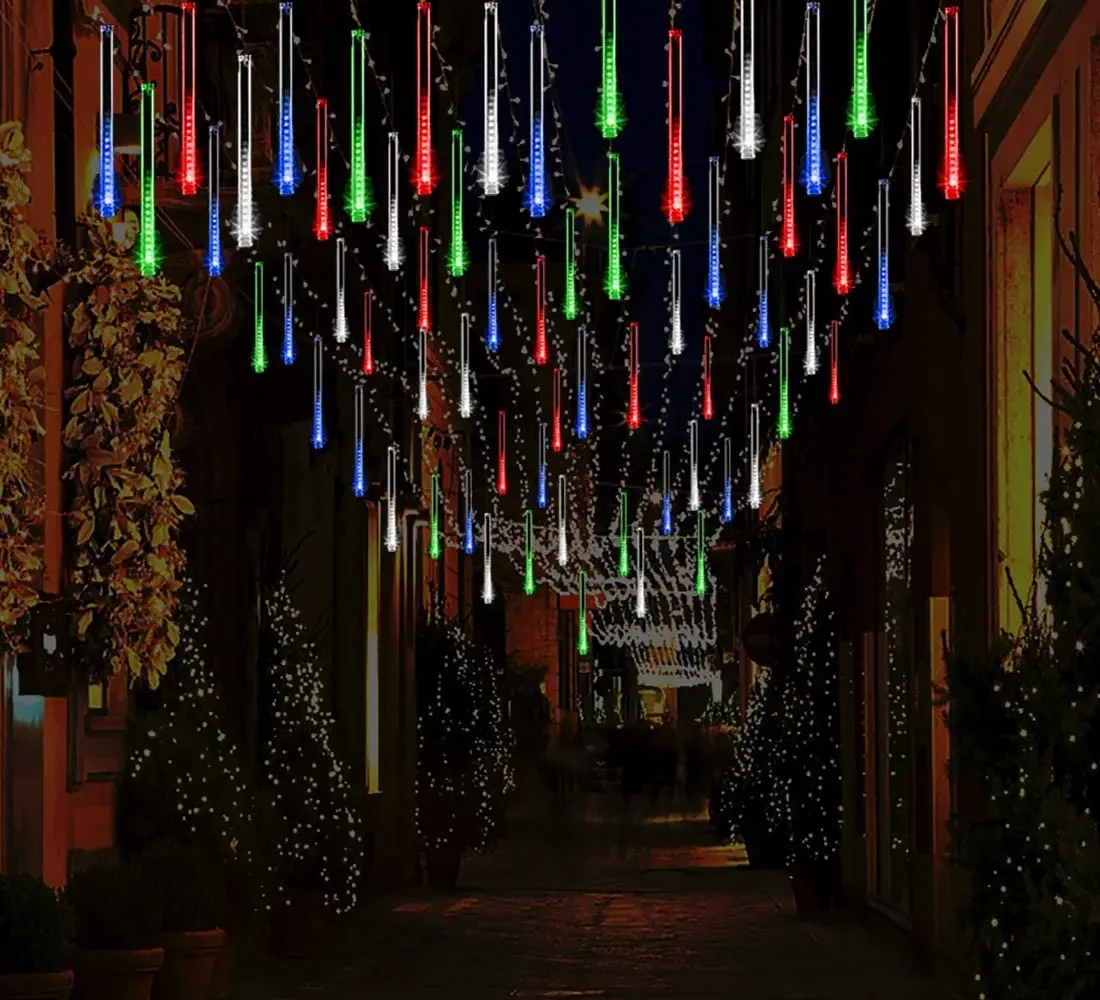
(34, 932)
(190, 893)
(116, 920)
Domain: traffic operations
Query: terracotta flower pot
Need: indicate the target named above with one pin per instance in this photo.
(299, 928)
(443, 866)
(223, 967)
(810, 886)
(115, 975)
(37, 986)
(188, 968)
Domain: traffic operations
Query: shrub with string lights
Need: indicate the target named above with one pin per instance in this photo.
(320, 846)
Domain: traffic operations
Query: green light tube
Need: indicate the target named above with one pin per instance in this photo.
(259, 348)
(783, 426)
(624, 547)
(582, 610)
(700, 558)
(609, 111)
(613, 283)
(529, 553)
(148, 257)
(457, 259)
(861, 110)
(569, 300)
(360, 201)
(434, 549)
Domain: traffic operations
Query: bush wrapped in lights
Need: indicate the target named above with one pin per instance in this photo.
(126, 334)
(464, 749)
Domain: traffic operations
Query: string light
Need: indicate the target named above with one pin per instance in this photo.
(563, 533)
(391, 498)
(861, 112)
(286, 175)
(247, 223)
(259, 349)
(708, 398)
(317, 439)
(842, 275)
(537, 199)
(727, 480)
(434, 548)
(542, 347)
(569, 299)
(502, 453)
(392, 252)
(189, 152)
(322, 220)
(422, 409)
(755, 496)
(468, 544)
(814, 170)
(749, 140)
(639, 560)
(634, 409)
(340, 326)
(360, 196)
(556, 438)
(788, 241)
(288, 308)
(613, 282)
(916, 220)
(528, 552)
(676, 195)
(487, 594)
(676, 337)
(609, 112)
(492, 326)
(624, 537)
(214, 257)
(423, 313)
(581, 426)
(465, 399)
(834, 362)
(666, 496)
(368, 333)
(809, 297)
(424, 171)
(716, 291)
(693, 456)
(700, 553)
(783, 426)
(492, 168)
(582, 613)
(458, 259)
(952, 179)
(884, 307)
(106, 190)
(763, 318)
(148, 246)
(359, 478)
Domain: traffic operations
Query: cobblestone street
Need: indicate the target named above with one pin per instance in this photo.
(594, 909)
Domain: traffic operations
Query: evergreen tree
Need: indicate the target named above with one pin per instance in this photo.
(320, 845)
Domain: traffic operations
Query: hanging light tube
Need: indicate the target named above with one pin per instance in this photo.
(842, 276)
(360, 196)
(783, 422)
(322, 219)
(676, 195)
(424, 314)
(952, 177)
(492, 326)
(458, 259)
(491, 172)
(715, 289)
(666, 495)
(435, 550)
(861, 111)
(810, 361)
(727, 480)
(424, 172)
(542, 347)
(391, 498)
(214, 258)
(763, 317)
(542, 498)
(286, 174)
(189, 151)
(756, 498)
(700, 553)
(259, 349)
(391, 252)
(422, 409)
(834, 362)
(748, 128)
(288, 308)
(581, 427)
(916, 220)
(563, 534)
(487, 595)
(556, 437)
(582, 613)
(246, 206)
(884, 306)
(359, 477)
(676, 337)
(815, 173)
(368, 333)
(708, 396)
(613, 282)
(634, 406)
(528, 552)
(639, 560)
(502, 453)
(788, 241)
(340, 326)
(317, 439)
(624, 537)
(537, 198)
(609, 112)
(569, 299)
(106, 190)
(148, 243)
(468, 544)
(465, 397)
(693, 456)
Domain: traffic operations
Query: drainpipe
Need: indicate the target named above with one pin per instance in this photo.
(63, 54)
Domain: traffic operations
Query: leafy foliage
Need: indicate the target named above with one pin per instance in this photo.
(22, 378)
(128, 363)
(113, 909)
(34, 927)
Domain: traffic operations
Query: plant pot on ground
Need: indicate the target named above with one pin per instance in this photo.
(190, 891)
(811, 884)
(116, 920)
(34, 935)
(300, 924)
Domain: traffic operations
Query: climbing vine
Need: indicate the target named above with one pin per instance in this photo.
(126, 509)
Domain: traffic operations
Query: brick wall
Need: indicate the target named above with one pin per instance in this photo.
(531, 625)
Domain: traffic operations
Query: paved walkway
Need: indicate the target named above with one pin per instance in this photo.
(653, 909)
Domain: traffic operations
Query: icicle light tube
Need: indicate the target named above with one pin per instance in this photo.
(748, 129)
(634, 406)
(556, 437)
(148, 244)
(727, 480)
(322, 219)
(423, 312)
(916, 220)
(491, 171)
(708, 395)
(810, 361)
(834, 362)
(246, 206)
(693, 457)
(884, 307)
(288, 308)
(676, 317)
(465, 397)
(359, 476)
(542, 346)
(582, 613)
(537, 198)
(861, 110)
(581, 425)
(666, 495)
(763, 317)
(368, 333)
(215, 259)
(391, 499)
(528, 552)
(563, 526)
(609, 111)
(788, 239)
(614, 284)
(543, 496)
(286, 174)
(317, 438)
(569, 307)
(259, 348)
(492, 324)
(435, 550)
(842, 275)
(624, 537)
(360, 196)
(458, 259)
(715, 290)
(700, 553)
(340, 324)
(487, 594)
(189, 152)
(756, 498)
(952, 178)
(106, 189)
(468, 543)
(676, 195)
(423, 166)
(783, 420)
(639, 570)
(502, 453)
(391, 251)
(422, 409)
(814, 171)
